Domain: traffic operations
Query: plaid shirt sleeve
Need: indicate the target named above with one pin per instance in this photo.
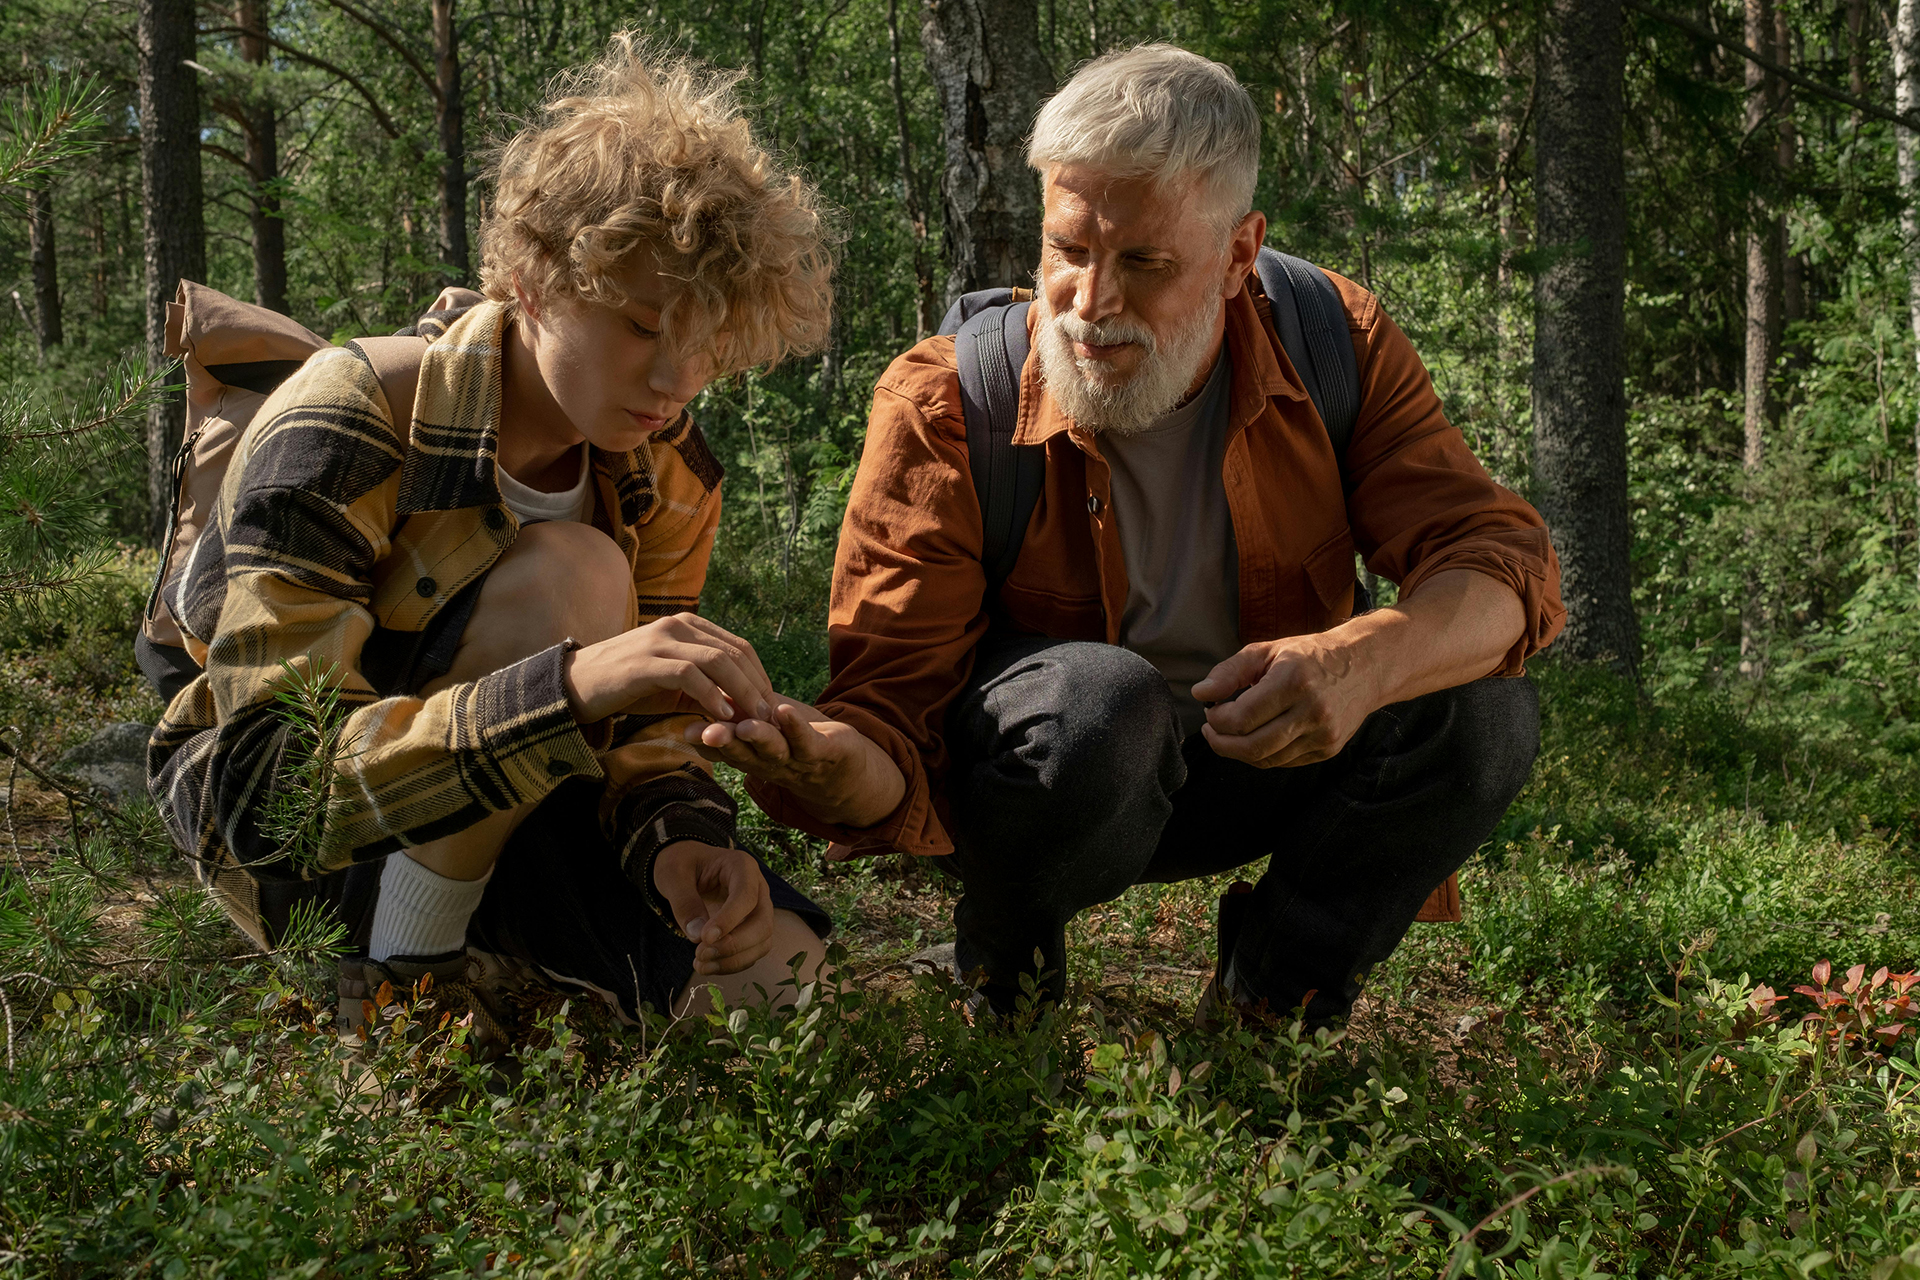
(659, 789)
(282, 580)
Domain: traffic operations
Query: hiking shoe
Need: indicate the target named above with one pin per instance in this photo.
(942, 958)
(1218, 1003)
(421, 994)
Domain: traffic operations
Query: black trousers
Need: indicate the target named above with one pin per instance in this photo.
(1071, 784)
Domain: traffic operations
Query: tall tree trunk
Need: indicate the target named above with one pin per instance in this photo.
(97, 272)
(1906, 98)
(262, 129)
(1765, 279)
(46, 270)
(176, 239)
(1763, 248)
(450, 116)
(1579, 390)
(1857, 51)
(923, 317)
(984, 56)
(1793, 266)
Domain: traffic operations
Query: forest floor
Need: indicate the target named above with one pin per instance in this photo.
(1604, 1070)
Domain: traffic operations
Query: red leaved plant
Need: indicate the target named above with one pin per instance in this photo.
(1873, 1011)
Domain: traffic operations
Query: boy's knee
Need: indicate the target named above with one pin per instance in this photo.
(560, 579)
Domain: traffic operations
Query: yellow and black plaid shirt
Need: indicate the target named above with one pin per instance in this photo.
(334, 527)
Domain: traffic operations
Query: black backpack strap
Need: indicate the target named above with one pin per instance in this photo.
(1312, 323)
(991, 348)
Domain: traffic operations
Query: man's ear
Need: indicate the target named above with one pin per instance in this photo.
(1243, 247)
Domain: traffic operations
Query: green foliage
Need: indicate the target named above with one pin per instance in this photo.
(307, 704)
(55, 468)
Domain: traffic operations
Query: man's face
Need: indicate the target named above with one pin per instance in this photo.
(1132, 282)
(607, 368)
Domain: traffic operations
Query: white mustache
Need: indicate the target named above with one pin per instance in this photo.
(1105, 333)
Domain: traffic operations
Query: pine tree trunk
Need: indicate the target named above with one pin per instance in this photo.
(175, 235)
(97, 274)
(924, 318)
(1906, 99)
(1765, 234)
(47, 328)
(450, 116)
(1857, 51)
(1579, 392)
(985, 59)
(1763, 249)
(262, 128)
(1793, 266)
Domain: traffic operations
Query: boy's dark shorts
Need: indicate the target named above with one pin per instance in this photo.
(558, 901)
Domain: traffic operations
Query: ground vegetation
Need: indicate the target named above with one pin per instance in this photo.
(1673, 1036)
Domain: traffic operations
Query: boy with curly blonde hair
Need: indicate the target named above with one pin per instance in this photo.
(497, 575)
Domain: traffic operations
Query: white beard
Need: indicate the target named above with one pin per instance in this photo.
(1087, 390)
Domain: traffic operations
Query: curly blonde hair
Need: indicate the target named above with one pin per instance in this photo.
(641, 150)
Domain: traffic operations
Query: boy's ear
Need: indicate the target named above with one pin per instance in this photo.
(526, 301)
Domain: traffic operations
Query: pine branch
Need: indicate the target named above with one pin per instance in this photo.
(133, 386)
(49, 129)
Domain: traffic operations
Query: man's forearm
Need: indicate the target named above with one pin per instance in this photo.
(1456, 628)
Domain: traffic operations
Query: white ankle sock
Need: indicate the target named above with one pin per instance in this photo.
(420, 911)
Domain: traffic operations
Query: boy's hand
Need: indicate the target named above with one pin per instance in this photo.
(682, 663)
(721, 901)
(831, 768)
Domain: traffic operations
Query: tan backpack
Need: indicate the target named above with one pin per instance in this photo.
(235, 355)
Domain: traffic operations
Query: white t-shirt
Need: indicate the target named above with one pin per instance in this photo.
(532, 505)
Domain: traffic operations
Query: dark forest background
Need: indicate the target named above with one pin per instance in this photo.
(1655, 260)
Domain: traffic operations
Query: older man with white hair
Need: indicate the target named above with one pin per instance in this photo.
(1173, 680)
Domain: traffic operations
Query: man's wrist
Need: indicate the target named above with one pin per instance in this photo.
(865, 797)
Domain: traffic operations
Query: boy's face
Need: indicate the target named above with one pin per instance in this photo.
(607, 368)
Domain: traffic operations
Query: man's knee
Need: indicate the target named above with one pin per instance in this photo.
(1087, 722)
(1490, 730)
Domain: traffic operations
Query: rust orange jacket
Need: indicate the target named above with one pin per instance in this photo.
(908, 600)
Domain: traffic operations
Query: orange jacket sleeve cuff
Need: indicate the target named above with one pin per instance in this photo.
(913, 826)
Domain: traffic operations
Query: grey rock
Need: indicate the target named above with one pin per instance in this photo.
(935, 959)
(113, 760)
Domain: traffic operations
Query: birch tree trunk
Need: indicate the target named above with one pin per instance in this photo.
(1579, 390)
(985, 59)
(1906, 98)
(175, 234)
(47, 329)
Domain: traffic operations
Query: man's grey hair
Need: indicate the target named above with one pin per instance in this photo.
(1161, 112)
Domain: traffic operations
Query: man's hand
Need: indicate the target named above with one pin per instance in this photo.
(1300, 700)
(831, 768)
(721, 901)
(678, 664)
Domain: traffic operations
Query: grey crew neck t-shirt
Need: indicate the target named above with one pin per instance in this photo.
(1183, 567)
